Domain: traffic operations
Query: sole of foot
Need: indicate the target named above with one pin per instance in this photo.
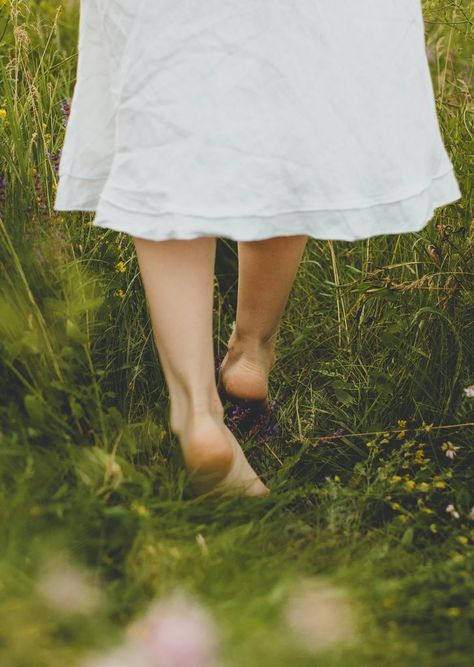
(216, 461)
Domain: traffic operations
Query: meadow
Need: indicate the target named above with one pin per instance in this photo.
(363, 553)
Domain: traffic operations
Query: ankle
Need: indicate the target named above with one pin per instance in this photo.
(187, 408)
(252, 345)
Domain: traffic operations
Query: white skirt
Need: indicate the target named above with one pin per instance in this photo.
(249, 119)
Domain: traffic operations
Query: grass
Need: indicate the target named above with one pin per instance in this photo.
(371, 437)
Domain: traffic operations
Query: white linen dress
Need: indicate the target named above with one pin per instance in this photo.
(248, 119)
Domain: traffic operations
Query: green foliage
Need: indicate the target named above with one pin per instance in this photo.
(372, 470)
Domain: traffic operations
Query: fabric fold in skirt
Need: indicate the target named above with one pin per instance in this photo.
(249, 119)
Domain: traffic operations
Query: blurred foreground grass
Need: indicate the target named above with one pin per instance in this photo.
(368, 454)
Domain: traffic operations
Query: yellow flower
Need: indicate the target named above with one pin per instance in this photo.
(3, 114)
(423, 486)
(120, 293)
(427, 427)
(396, 506)
(462, 539)
(337, 478)
(141, 510)
(120, 266)
(427, 510)
(410, 484)
(433, 528)
(454, 612)
(396, 478)
(419, 456)
(402, 422)
(440, 485)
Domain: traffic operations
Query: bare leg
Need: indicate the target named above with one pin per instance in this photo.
(267, 270)
(178, 279)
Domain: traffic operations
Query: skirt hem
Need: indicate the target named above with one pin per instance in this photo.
(410, 214)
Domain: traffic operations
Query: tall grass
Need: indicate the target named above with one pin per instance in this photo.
(370, 442)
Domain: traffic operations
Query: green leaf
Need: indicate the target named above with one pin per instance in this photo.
(407, 538)
(35, 408)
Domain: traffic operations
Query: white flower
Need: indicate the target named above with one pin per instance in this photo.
(450, 449)
(450, 509)
(320, 615)
(67, 588)
(469, 391)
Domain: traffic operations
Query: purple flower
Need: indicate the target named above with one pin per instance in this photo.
(66, 110)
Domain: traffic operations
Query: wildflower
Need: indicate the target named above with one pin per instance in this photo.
(67, 588)
(395, 479)
(433, 528)
(427, 427)
(337, 478)
(410, 484)
(440, 485)
(469, 391)
(396, 506)
(450, 449)
(141, 510)
(120, 266)
(424, 487)
(176, 632)
(66, 110)
(319, 615)
(450, 509)
(3, 114)
(3, 189)
(120, 293)
(419, 456)
(402, 422)
(453, 612)
(55, 159)
(427, 510)
(462, 539)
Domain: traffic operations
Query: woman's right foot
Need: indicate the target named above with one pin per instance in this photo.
(243, 373)
(215, 459)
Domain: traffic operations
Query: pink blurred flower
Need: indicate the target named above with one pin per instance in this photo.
(67, 588)
(320, 615)
(177, 632)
